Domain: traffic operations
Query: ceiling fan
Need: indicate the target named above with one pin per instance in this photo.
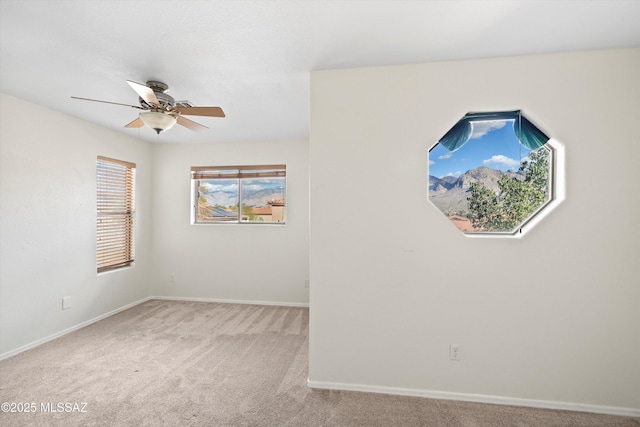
(160, 110)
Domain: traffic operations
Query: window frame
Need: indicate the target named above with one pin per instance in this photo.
(531, 137)
(115, 202)
(244, 172)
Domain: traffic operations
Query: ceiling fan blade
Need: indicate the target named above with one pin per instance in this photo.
(137, 123)
(201, 111)
(190, 124)
(145, 92)
(108, 102)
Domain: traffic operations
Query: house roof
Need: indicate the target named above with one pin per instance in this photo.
(262, 211)
(254, 58)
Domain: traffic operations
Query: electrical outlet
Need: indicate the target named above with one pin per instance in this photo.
(306, 283)
(66, 303)
(172, 278)
(454, 352)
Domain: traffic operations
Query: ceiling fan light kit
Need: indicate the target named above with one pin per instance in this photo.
(158, 121)
(160, 109)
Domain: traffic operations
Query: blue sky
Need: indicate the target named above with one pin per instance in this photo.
(492, 144)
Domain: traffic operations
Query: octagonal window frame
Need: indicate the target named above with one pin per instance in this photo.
(556, 180)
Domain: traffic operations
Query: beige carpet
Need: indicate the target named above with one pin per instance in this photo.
(186, 363)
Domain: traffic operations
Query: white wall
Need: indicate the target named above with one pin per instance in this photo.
(48, 223)
(267, 263)
(550, 317)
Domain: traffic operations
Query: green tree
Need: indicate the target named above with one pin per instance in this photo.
(248, 211)
(518, 198)
(484, 208)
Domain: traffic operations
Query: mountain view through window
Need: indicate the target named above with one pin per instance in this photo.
(240, 195)
(490, 183)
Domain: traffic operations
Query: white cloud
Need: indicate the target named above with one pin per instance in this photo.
(456, 174)
(480, 129)
(431, 162)
(214, 188)
(252, 187)
(500, 159)
(445, 156)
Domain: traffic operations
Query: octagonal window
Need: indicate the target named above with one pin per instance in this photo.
(492, 173)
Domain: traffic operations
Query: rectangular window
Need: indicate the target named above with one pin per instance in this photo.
(239, 194)
(115, 202)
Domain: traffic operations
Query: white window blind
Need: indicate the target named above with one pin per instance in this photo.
(226, 172)
(115, 203)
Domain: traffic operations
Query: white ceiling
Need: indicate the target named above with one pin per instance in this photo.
(253, 58)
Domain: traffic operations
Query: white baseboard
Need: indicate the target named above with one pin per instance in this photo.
(232, 301)
(479, 398)
(41, 341)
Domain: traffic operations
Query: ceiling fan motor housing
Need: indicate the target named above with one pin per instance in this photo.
(159, 89)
